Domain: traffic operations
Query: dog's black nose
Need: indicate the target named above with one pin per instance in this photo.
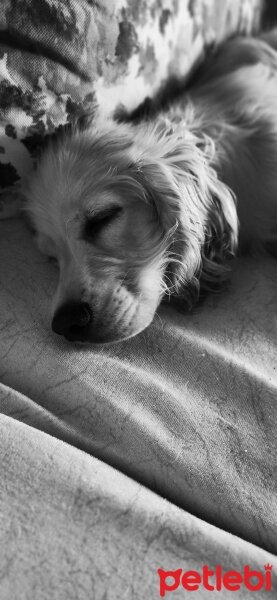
(72, 321)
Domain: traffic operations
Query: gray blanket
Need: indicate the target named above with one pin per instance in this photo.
(157, 452)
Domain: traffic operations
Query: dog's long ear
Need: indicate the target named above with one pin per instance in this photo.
(197, 212)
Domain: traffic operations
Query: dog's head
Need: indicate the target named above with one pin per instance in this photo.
(126, 212)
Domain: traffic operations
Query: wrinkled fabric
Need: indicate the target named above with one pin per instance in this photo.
(187, 409)
(75, 528)
(62, 59)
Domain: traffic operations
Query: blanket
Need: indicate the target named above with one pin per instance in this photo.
(159, 452)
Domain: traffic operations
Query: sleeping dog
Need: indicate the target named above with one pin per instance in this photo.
(135, 213)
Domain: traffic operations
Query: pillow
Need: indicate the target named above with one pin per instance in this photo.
(62, 59)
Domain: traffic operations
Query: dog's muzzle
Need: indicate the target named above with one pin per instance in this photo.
(73, 320)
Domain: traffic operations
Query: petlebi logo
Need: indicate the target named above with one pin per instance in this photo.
(216, 579)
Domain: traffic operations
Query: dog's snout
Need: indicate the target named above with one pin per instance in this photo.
(72, 320)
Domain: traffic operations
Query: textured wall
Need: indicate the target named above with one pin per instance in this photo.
(59, 59)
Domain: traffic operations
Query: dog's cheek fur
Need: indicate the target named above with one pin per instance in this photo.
(198, 216)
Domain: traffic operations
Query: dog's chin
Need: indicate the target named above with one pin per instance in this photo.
(103, 337)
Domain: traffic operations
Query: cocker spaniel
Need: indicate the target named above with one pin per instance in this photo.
(137, 212)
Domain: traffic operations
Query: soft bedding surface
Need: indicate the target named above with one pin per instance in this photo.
(187, 409)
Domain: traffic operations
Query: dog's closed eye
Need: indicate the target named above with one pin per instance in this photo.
(96, 223)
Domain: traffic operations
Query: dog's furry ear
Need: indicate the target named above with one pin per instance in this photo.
(197, 212)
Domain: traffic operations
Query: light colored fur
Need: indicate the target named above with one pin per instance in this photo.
(177, 179)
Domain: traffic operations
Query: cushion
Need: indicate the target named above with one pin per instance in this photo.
(62, 59)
